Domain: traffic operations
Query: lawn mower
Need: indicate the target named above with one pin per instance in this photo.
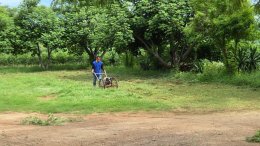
(106, 82)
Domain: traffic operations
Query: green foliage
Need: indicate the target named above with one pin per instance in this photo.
(6, 23)
(111, 58)
(222, 22)
(145, 63)
(198, 66)
(25, 59)
(50, 121)
(129, 60)
(239, 79)
(28, 59)
(247, 59)
(5, 18)
(158, 28)
(36, 24)
(96, 31)
(173, 33)
(112, 29)
(212, 70)
(255, 138)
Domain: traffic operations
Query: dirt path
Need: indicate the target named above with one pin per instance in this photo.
(222, 129)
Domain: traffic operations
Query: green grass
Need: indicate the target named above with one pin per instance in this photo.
(255, 138)
(32, 90)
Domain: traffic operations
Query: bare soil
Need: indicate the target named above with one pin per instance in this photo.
(129, 129)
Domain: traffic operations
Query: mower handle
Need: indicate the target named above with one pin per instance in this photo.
(105, 73)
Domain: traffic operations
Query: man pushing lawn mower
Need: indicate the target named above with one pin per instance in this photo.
(97, 68)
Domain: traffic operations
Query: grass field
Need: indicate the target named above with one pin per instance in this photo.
(33, 90)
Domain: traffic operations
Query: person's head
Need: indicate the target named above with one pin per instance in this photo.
(98, 58)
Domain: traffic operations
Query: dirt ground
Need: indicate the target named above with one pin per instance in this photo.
(129, 129)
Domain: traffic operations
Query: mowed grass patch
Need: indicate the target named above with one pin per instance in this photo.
(72, 91)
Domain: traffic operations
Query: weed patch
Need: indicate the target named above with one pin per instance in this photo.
(255, 138)
(50, 121)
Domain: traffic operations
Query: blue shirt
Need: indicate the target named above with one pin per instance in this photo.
(97, 66)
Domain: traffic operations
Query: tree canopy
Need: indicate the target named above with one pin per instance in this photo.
(168, 33)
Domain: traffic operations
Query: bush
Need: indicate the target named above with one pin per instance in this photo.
(51, 121)
(28, 59)
(247, 59)
(145, 63)
(111, 58)
(216, 72)
(212, 70)
(25, 59)
(197, 67)
(255, 138)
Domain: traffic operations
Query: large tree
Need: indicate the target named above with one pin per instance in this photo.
(96, 31)
(35, 22)
(222, 22)
(6, 24)
(159, 28)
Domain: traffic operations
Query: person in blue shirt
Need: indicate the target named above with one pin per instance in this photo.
(97, 68)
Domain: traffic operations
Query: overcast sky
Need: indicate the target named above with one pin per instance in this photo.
(15, 3)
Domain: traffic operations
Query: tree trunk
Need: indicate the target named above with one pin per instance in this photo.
(91, 55)
(236, 46)
(225, 56)
(173, 53)
(39, 54)
(225, 59)
(91, 58)
(49, 58)
(103, 53)
(154, 53)
(187, 53)
(159, 58)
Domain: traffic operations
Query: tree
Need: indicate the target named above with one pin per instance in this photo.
(159, 28)
(112, 29)
(6, 24)
(223, 21)
(60, 4)
(53, 41)
(78, 27)
(35, 22)
(96, 31)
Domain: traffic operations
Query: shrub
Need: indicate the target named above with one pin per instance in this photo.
(247, 59)
(212, 70)
(197, 67)
(28, 59)
(111, 58)
(51, 121)
(145, 63)
(255, 138)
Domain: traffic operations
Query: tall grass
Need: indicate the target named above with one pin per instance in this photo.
(216, 72)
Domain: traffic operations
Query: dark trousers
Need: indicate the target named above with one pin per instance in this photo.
(95, 78)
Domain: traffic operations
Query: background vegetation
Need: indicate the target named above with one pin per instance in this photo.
(168, 34)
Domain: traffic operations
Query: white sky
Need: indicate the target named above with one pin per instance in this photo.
(15, 3)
